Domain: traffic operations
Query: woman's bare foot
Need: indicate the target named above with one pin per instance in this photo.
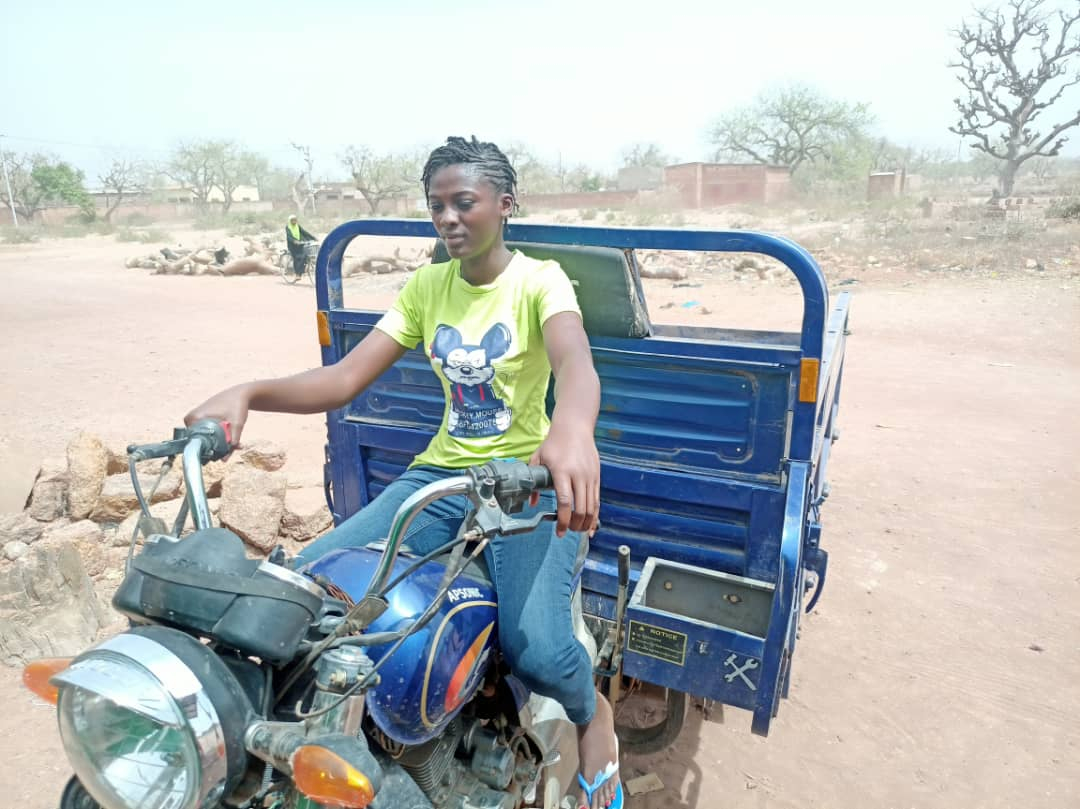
(598, 752)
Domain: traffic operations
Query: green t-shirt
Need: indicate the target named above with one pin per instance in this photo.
(486, 346)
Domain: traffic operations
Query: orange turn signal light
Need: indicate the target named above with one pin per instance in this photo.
(323, 320)
(808, 379)
(327, 778)
(37, 674)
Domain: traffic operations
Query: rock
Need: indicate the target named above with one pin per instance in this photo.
(1031, 264)
(291, 546)
(19, 528)
(117, 459)
(115, 564)
(48, 607)
(306, 515)
(117, 497)
(213, 475)
(13, 549)
(262, 454)
(88, 540)
(86, 462)
(670, 273)
(118, 462)
(48, 498)
(167, 511)
(252, 504)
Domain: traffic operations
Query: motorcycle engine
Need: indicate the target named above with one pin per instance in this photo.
(467, 767)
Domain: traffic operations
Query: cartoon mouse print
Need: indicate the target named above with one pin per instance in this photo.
(475, 409)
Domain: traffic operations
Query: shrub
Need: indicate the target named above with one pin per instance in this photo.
(137, 220)
(68, 231)
(151, 236)
(588, 214)
(1064, 209)
(23, 235)
(156, 235)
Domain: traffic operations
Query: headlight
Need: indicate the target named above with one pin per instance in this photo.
(142, 730)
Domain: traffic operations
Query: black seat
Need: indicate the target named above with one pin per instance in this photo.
(606, 280)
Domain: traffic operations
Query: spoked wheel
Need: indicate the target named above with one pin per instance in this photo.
(649, 718)
(75, 796)
(311, 252)
(287, 274)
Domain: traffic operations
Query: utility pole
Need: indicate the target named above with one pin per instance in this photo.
(7, 183)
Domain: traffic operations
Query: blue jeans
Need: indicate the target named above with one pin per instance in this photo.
(533, 576)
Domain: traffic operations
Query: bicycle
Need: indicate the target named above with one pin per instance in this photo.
(288, 269)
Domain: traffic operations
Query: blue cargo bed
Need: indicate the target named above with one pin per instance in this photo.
(713, 445)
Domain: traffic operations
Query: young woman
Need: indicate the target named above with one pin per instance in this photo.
(295, 237)
(496, 325)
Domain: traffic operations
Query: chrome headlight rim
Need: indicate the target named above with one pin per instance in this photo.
(215, 709)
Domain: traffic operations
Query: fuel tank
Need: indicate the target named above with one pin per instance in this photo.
(439, 668)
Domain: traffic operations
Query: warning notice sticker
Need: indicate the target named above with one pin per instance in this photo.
(655, 641)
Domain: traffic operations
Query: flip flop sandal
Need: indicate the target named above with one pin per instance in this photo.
(602, 778)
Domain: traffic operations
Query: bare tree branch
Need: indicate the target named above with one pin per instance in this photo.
(1005, 95)
(790, 127)
(123, 178)
(379, 178)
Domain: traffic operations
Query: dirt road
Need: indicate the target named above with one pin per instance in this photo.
(940, 668)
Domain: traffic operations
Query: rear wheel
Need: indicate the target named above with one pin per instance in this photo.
(649, 718)
(288, 274)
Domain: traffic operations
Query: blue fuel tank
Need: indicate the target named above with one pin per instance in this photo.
(439, 668)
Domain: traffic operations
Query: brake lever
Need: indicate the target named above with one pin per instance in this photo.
(488, 519)
(512, 525)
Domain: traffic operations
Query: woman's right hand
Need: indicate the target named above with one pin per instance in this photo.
(230, 405)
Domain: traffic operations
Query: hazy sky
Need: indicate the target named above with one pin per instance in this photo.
(580, 78)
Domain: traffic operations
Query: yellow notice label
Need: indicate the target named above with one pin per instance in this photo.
(655, 641)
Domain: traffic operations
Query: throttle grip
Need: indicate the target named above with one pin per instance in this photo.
(541, 477)
(216, 436)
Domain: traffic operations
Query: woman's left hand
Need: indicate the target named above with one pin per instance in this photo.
(574, 464)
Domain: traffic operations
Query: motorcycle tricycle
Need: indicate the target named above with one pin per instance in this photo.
(372, 677)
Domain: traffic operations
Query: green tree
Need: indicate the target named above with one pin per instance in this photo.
(271, 181)
(232, 168)
(533, 175)
(1014, 65)
(193, 166)
(645, 155)
(791, 126)
(123, 178)
(40, 180)
(583, 178)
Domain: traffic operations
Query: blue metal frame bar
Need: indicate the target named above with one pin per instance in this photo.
(787, 599)
(815, 293)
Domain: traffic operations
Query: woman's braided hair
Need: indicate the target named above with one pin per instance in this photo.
(487, 158)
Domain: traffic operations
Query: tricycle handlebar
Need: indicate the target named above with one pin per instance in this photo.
(205, 440)
(500, 486)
